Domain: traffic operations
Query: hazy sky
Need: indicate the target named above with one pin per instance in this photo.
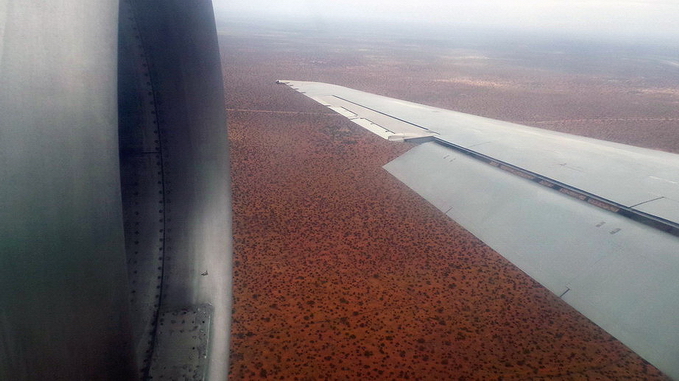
(609, 18)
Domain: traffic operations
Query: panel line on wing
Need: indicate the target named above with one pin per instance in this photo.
(647, 201)
(382, 124)
(600, 237)
(586, 173)
(385, 114)
(611, 206)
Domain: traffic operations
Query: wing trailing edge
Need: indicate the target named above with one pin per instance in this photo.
(595, 222)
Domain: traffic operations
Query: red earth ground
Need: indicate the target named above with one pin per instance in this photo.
(343, 273)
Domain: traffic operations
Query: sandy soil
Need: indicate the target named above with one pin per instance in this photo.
(342, 272)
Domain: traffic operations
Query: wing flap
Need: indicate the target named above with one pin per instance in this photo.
(565, 209)
(615, 271)
(622, 175)
(381, 124)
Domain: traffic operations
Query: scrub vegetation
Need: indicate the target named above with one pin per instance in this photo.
(343, 273)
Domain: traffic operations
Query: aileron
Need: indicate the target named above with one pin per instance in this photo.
(618, 173)
(595, 222)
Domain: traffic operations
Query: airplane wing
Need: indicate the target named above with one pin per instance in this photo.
(595, 222)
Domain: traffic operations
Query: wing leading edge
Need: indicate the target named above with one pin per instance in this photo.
(595, 222)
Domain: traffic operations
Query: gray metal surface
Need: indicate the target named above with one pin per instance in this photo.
(623, 174)
(617, 272)
(64, 313)
(181, 68)
(115, 195)
(489, 176)
(176, 329)
(142, 185)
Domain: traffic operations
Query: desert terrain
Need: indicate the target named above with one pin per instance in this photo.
(343, 273)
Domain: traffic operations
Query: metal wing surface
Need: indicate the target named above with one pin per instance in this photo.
(595, 222)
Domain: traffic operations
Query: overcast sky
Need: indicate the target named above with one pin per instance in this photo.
(608, 18)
